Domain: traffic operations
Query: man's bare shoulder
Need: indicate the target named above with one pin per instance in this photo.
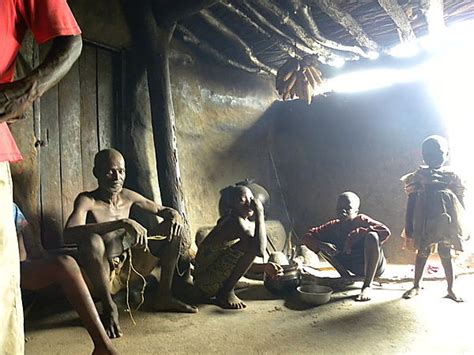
(131, 195)
(85, 197)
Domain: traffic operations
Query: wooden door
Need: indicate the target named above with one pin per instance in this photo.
(77, 118)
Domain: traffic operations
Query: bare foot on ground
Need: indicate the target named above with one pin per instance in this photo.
(412, 292)
(111, 324)
(230, 301)
(364, 295)
(171, 304)
(452, 295)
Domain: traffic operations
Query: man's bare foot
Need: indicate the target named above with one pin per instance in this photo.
(171, 304)
(230, 301)
(110, 321)
(452, 295)
(106, 350)
(364, 295)
(412, 292)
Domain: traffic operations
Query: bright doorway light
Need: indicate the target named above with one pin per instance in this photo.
(449, 77)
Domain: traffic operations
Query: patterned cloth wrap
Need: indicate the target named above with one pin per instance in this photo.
(438, 215)
(214, 265)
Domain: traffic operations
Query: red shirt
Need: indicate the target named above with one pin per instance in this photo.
(46, 19)
(339, 233)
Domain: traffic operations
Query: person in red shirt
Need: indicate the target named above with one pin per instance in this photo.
(49, 20)
(351, 243)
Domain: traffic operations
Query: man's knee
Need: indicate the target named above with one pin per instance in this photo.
(160, 248)
(92, 245)
(66, 264)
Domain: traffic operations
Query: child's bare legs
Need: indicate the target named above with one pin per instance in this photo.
(444, 252)
(329, 251)
(226, 298)
(38, 274)
(372, 258)
(420, 263)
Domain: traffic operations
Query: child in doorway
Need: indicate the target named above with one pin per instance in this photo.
(434, 212)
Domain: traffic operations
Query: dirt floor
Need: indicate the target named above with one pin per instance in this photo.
(428, 324)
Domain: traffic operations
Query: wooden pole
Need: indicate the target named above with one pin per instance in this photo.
(153, 42)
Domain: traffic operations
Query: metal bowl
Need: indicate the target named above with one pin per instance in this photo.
(314, 294)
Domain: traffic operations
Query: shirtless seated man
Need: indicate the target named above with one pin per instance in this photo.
(101, 228)
(352, 242)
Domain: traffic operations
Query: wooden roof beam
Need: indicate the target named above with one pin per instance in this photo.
(176, 10)
(400, 19)
(304, 10)
(325, 55)
(265, 22)
(190, 37)
(282, 44)
(227, 32)
(343, 18)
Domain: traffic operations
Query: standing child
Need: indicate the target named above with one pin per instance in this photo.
(434, 212)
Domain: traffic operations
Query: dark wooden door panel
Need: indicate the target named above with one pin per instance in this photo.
(105, 103)
(78, 117)
(70, 139)
(50, 171)
(89, 135)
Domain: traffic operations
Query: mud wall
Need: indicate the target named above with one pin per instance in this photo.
(229, 128)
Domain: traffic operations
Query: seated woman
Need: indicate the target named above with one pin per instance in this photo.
(231, 247)
(37, 274)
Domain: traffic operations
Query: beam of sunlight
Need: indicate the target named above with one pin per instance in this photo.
(449, 75)
(365, 80)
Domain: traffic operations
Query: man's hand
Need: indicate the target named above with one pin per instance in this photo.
(175, 223)
(15, 99)
(328, 248)
(137, 231)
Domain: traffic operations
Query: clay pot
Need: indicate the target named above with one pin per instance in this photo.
(286, 283)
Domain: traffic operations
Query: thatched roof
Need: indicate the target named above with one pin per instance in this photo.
(259, 35)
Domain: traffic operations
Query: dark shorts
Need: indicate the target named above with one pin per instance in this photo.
(355, 261)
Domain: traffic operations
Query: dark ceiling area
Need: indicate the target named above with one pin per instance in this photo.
(260, 35)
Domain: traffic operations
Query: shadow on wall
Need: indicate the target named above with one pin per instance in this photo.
(252, 158)
(359, 142)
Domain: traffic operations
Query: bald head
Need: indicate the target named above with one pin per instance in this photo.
(109, 169)
(435, 151)
(103, 157)
(348, 204)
